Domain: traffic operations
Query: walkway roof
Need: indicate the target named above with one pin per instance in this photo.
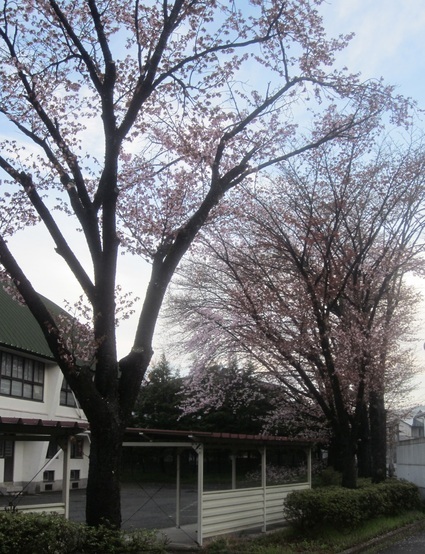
(151, 437)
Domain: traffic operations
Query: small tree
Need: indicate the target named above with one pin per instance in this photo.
(157, 406)
(135, 119)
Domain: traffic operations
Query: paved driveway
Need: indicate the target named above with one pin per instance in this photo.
(142, 506)
(147, 506)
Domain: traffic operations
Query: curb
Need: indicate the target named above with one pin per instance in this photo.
(417, 526)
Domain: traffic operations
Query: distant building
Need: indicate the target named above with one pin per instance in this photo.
(34, 397)
(412, 426)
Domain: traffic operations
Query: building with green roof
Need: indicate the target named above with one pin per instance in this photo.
(32, 389)
(18, 328)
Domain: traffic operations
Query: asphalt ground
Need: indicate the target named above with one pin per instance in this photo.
(409, 541)
(413, 545)
(142, 507)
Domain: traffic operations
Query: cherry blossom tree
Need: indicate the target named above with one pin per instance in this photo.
(310, 284)
(129, 121)
(228, 398)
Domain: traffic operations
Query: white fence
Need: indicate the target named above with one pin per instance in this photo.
(234, 510)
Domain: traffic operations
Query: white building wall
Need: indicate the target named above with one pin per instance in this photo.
(29, 459)
(411, 462)
(404, 430)
(30, 456)
(56, 465)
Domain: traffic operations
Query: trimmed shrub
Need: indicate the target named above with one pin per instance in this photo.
(328, 477)
(23, 533)
(346, 508)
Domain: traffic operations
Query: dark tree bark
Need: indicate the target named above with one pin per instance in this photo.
(378, 432)
(349, 472)
(364, 444)
(103, 505)
(335, 452)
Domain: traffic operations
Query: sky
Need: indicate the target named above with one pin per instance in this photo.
(389, 42)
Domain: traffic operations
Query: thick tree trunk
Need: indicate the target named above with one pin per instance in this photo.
(342, 457)
(364, 445)
(335, 453)
(349, 471)
(378, 432)
(103, 504)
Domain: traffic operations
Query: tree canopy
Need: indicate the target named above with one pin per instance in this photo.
(124, 126)
(309, 282)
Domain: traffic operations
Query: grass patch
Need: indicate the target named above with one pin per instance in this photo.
(324, 540)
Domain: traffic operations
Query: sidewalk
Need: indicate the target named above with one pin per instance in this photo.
(406, 540)
(181, 539)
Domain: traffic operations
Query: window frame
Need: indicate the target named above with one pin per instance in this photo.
(67, 397)
(74, 475)
(49, 476)
(52, 449)
(77, 448)
(21, 377)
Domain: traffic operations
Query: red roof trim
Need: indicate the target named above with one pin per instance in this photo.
(200, 435)
(43, 423)
(151, 434)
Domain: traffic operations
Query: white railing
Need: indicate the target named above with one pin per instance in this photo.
(235, 510)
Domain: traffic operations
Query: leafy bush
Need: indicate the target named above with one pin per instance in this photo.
(328, 477)
(345, 508)
(51, 534)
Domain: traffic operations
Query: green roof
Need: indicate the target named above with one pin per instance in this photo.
(18, 328)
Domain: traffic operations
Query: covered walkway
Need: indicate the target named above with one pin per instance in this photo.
(257, 483)
(238, 482)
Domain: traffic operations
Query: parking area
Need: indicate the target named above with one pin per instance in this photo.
(151, 506)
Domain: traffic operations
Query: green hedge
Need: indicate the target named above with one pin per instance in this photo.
(22, 533)
(347, 508)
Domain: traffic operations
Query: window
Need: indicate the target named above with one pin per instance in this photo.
(67, 396)
(21, 377)
(49, 475)
(6, 449)
(77, 447)
(75, 474)
(52, 449)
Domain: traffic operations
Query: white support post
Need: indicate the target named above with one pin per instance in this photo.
(66, 477)
(200, 450)
(264, 485)
(178, 491)
(309, 467)
(233, 459)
